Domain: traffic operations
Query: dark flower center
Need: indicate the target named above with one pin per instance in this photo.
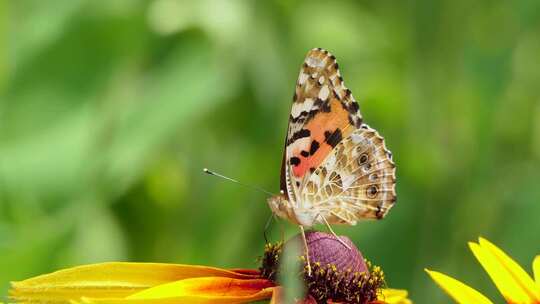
(338, 273)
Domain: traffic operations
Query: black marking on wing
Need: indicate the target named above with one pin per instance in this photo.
(314, 147)
(323, 105)
(353, 107)
(295, 161)
(298, 134)
(379, 213)
(333, 138)
(303, 117)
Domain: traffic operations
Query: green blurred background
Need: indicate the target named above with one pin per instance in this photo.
(110, 109)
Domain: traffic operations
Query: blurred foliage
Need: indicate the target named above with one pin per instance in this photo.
(110, 109)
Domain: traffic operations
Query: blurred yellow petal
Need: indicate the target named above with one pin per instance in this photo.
(460, 292)
(108, 280)
(394, 296)
(512, 281)
(536, 270)
(207, 290)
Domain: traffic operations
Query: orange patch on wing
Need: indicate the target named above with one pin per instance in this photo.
(323, 122)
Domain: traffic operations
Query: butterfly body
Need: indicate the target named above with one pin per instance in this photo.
(336, 169)
(298, 215)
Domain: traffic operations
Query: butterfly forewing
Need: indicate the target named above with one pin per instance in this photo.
(323, 113)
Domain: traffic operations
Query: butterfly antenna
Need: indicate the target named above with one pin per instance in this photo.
(237, 182)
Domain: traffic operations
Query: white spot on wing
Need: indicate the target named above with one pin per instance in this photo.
(347, 180)
(302, 78)
(315, 62)
(299, 145)
(312, 62)
(324, 92)
(308, 104)
(331, 161)
(316, 179)
(298, 107)
(356, 138)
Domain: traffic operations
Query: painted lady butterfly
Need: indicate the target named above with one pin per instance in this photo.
(335, 169)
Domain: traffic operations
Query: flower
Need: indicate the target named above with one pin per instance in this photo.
(127, 283)
(337, 273)
(515, 285)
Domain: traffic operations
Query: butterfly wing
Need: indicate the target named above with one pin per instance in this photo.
(357, 180)
(323, 113)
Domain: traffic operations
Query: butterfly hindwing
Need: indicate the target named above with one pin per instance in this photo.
(323, 113)
(357, 180)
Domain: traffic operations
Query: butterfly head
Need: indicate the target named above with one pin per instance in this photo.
(281, 206)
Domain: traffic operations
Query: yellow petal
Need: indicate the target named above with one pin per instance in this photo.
(207, 286)
(394, 296)
(512, 281)
(536, 270)
(207, 290)
(460, 292)
(108, 280)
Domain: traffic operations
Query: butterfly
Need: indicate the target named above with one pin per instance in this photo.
(335, 168)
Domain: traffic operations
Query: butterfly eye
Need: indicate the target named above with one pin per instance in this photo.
(372, 191)
(363, 159)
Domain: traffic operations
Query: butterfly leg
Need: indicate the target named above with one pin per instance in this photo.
(333, 233)
(307, 249)
(268, 222)
(342, 218)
